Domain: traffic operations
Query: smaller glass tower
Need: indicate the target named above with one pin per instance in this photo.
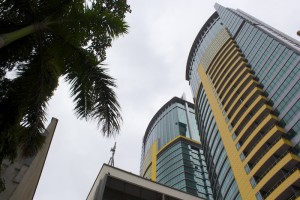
(171, 152)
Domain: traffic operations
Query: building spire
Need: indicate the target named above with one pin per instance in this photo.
(111, 160)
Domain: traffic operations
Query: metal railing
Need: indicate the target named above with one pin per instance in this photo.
(272, 165)
(268, 125)
(295, 195)
(258, 140)
(265, 151)
(280, 181)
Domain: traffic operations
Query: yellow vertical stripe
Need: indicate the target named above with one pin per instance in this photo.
(237, 167)
(153, 155)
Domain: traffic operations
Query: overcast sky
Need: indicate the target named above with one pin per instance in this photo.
(149, 64)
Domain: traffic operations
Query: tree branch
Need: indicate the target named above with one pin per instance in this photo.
(7, 38)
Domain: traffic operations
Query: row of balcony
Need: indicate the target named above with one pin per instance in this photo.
(272, 167)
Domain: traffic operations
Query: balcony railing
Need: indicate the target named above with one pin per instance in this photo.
(280, 181)
(294, 196)
(272, 165)
(261, 135)
(269, 127)
(265, 151)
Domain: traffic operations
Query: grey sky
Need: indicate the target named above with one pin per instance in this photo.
(149, 65)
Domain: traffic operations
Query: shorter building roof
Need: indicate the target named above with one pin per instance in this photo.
(160, 111)
(113, 183)
(179, 138)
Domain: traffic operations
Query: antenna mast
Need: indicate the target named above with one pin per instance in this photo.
(111, 160)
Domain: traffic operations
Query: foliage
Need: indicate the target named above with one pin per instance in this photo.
(41, 41)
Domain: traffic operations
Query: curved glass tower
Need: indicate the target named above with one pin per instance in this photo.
(244, 77)
(171, 152)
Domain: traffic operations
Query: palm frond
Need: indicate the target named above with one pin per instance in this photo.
(106, 108)
(102, 27)
(92, 89)
(77, 75)
(34, 87)
(69, 39)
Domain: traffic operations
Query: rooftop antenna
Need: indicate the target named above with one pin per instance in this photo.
(111, 160)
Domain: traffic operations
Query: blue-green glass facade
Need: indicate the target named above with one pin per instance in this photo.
(179, 162)
(167, 126)
(182, 166)
(219, 170)
(275, 60)
(215, 155)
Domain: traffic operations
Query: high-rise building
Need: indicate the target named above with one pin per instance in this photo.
(171, 151)
(244, 77)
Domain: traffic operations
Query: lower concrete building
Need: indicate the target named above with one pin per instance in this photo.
(113, 183)
(22, 176)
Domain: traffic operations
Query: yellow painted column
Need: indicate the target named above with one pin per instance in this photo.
(153, 163)
(242, 179)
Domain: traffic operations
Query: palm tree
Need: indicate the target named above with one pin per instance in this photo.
(41, 41)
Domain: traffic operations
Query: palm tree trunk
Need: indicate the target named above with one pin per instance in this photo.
(7, 38)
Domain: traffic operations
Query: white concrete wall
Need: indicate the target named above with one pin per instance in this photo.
(22, 176)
